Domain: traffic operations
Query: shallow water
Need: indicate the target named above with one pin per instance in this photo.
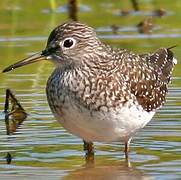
(41, 148)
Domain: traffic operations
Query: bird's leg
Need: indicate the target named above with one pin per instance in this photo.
(89, 151)
(126, 148)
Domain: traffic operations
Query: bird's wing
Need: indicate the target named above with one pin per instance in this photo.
(149, 76)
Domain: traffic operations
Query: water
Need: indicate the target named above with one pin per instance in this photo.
(41, 148)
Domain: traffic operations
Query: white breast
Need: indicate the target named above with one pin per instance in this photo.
(113, 125)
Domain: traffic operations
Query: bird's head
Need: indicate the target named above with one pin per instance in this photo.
(66, 46)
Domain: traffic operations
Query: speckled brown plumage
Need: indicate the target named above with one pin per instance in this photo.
(153, 88)
(106, 78)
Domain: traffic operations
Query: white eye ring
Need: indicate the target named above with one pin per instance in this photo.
(68, 43)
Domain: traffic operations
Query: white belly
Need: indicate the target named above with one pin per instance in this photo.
(115, 125)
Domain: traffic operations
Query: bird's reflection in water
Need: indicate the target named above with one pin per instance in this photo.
(107, 170)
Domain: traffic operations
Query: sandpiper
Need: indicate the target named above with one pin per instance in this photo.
(98, 93)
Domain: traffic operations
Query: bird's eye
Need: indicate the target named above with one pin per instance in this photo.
(69, 43)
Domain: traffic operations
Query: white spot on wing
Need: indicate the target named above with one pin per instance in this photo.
(174, 60)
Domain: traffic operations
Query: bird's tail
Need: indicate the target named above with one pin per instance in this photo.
(174, 60)
(164, 59)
